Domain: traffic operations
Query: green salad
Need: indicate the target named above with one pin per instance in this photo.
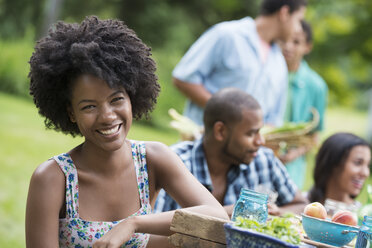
(279, 227)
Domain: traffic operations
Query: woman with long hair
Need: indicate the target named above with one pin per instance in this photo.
(341, 168)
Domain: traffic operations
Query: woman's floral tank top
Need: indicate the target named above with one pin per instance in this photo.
(75, 232)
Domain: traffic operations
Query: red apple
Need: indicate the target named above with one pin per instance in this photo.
(345, 217)
(316, 209)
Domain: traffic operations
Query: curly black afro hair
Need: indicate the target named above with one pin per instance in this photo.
(107, 49)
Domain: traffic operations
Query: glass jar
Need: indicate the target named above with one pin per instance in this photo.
(365, 234)
(367, 208)
(333, 206)
(251, 204)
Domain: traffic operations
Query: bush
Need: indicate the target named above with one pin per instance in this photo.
(14, 67)
(169, 96)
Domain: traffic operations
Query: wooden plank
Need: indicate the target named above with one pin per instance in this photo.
(199, 225)
(185, 241)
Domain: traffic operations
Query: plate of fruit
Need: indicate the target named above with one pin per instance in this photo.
(339, 230)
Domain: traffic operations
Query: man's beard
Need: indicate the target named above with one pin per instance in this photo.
(236, 160)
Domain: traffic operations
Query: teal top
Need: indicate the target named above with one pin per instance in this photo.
(306, 90)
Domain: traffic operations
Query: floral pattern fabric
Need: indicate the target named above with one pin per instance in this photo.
(78, 233)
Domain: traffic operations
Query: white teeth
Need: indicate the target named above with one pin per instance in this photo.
(109, 131)
(358, 182)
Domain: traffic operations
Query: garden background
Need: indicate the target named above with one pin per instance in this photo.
(342, 55)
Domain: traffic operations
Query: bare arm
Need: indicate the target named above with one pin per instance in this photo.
(45, 198)
(167, 171)
(229, 209)
(159, 241)
(197, 93)
(293, 154)
(297, 152)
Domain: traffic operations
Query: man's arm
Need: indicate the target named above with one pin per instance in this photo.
(197, 93)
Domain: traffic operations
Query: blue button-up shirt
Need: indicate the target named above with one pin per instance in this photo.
(265, 170)
(228, 55)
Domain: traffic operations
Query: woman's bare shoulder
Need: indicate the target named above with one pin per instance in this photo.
(158, 152)
(48, 173)
(47, 188)
(155, 146)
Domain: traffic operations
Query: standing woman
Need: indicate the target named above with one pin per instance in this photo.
(341, 168)
(90, 80)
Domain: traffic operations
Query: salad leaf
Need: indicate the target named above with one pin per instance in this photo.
(279, 227)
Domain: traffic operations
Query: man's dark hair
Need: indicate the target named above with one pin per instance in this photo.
(226, 106)
(331, 157)
(107, 49)
(269, 7)
(307, 30)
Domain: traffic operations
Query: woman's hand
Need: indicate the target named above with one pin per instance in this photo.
(118, 235)
(293, 154)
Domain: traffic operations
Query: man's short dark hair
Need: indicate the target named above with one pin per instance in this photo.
(227, 105)
(269, 7)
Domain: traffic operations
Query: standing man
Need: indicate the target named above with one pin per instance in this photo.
(230, 156)
(306, 90)
(242, 54)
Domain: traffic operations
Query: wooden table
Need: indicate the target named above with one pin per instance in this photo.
(197, 230)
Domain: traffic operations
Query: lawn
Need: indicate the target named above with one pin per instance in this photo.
(24, 143)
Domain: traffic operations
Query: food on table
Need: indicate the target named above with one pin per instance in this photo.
(345, 217)
(316, 209)
(280, 227)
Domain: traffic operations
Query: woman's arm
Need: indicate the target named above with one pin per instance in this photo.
(45, 198)
(167, 171)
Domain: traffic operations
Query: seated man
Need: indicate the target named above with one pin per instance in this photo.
(230, 156)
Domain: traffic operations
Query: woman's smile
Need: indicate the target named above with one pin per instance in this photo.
(110, 131)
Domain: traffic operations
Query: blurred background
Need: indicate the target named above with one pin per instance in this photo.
(342, 55)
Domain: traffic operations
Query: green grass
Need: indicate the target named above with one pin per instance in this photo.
(25, 143)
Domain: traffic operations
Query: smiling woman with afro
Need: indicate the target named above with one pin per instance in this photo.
(107, 49)
(92, 79)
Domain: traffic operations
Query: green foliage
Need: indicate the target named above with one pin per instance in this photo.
(14, 66)
(17, 17)
(342, 52)
(169, 97)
